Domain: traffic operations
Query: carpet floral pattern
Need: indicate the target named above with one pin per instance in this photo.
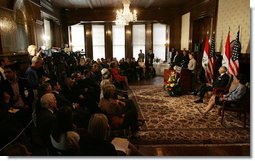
(177, 120)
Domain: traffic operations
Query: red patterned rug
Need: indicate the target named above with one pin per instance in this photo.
(176, 120)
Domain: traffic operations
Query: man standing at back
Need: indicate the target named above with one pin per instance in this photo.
(141, 55)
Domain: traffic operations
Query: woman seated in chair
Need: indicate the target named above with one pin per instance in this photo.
(116, 75)
(121, 114)
(95, 141)
(234, 95)
(106, 80)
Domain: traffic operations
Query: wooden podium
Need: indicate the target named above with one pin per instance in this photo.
(166, 74)
(185, 79)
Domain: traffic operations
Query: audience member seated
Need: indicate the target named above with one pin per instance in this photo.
(124, 110)
(142, 68)
(234, 95)
(89, 92)
(106, 80)
(70, 90)
(45, 119)
(21, 93)
(64, 139)
(3, 62)
(95, 143)
(96, 73)
(119, 79)
(132, 72)
(61, 99)
(221, 81)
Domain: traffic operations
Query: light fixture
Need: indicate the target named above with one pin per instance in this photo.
(124, 16)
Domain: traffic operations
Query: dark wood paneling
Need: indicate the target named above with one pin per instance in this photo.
(7, 4)
(175, 33)
(8, 29)
(200, 29)
(148, 37)
(199, 11)
(55, 34)
(128, 41)
(88, 42)
(109, 14)
(108, 40)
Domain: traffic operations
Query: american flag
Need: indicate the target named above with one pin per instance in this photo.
(210, 66)
(234, 61)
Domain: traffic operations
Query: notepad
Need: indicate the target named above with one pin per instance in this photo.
(121, 144)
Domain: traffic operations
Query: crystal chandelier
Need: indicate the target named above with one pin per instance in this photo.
(124, 16)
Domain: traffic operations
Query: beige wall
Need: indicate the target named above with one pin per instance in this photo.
(232, 13)
(185, 31)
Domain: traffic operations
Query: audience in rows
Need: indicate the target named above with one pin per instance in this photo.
(74, 102)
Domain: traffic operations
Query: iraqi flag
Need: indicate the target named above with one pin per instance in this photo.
(226, 54)
(205, 58)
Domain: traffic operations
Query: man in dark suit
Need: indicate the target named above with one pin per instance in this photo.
(45, 119)
(20, 92)
(177, 59)
(221, 81)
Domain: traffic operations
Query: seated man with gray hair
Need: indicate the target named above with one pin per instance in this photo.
(221, 81)
(46, 117)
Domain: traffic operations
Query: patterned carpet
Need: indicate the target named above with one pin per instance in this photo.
(176, 120)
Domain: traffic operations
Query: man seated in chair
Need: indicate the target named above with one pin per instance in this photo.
(234, 95)
(221, 81)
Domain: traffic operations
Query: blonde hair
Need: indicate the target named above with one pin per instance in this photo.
(46, 100)
(108, 90)
(31, 48)
(98, 126)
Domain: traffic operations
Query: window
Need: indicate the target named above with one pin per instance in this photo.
(98, 41)
(159, 40)
(118, 36)
(138, 40)
(77, 38)
(47, 35)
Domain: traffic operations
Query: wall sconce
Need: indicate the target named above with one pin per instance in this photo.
(108, 32)
(87, 32)
(167, 43)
